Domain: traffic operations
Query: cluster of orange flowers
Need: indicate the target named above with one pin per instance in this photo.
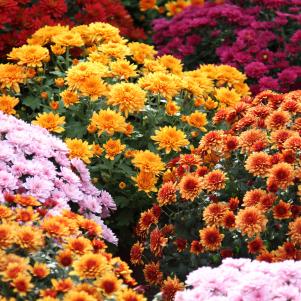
(240, 189)
(62, 257)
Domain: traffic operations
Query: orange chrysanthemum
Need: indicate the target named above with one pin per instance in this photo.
(258, 164)
(167, 194)
(50, 121)
(40, 270)
(253, 197)
(249, 139)
(229, 220)
(196, 247)
(190, 187)
(136, 253)
(215, 180)
(282, 210)
(6, 235)
(282, 174)
(79, 245)
(147, 218)
(108, 283)
(256, 246)
(169, 138)
(250, 221)
(277, 120)
(148, 161)
(113, 148)
(29, 238)
(64, 258)
(157, 242)
(22, 285)
(211, 238)
(295, 231)
(214, 213)
(89, 266)
(169, 288)
(152, 273)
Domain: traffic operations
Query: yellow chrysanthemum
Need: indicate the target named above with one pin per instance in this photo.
(169, 138)
(104, 32)
(198, 120)
(78, 296)
(7, 104)
(108, 284)
(69, 98)
(145, 5)
(11, 76)
(68, 39)
(172, 64)
(148, 161)
(175, 7)
(128, 97)
(113, 148)
(167, 85)
(114, 50)
(29, 238)
(30, 55)
(141, 51)
(85, 33)
(90, 266)
(198, 83)
(146, 181)
(79, 149)
(93, 87)
(43, 35)
(77, 74)
(227, 97)
(108, 121)
(123, 69)
(129, 295)
(50, 121)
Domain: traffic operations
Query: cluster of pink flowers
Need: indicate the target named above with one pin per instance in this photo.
(34, 162)
(261, 38)
(245, 280)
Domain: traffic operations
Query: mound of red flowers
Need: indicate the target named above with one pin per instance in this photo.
(260, 37)
(20, 18)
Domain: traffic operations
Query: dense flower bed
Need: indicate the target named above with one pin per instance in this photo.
(60, 257)
(33, 162)
(19, 19)
(242, 279)
(261, 38)
(121, 110)
(236, 195)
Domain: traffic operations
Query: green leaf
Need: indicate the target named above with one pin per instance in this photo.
(31, 102)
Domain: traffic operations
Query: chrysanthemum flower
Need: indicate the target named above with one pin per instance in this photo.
(7, 233)
(114, 50)
(211, 238)
(169, 288)
(145, 5)
(277, 120)
(30, 55)
(113, 148)
(146, 181)
(22, 285)
(172, 64)
(255, 246)
(136, 253)
(167, 194)
(295, 231)
(157, 242)
(293, 143)
(89, 266)
(171, 108)
(11, 76)
(141, 51)
(40, 270)
(258, 163)
(65, 258)
(196, 247)
(29, 238)
(68, 39)
(282, 210)
(79, 149)
(148, 161)
(108, 284)
(160, 83)
(253, 197)
(249, 138)
(128, 97)
(108, 121)
(69, 98)
(198, 120)
(228, 220)
(7, 104)
(78, 296)
(104, 32)
(129, 295)
(79, 245)
(54, 227)
(212, 140)
(93, 87)
(123, 69)
(214, 213)
(215, 180)
(147, 219)
(250, 221)
(169, 138)
(190, 187)
(152, 273)
(227, 97)
(282, 174)
(50, 121)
